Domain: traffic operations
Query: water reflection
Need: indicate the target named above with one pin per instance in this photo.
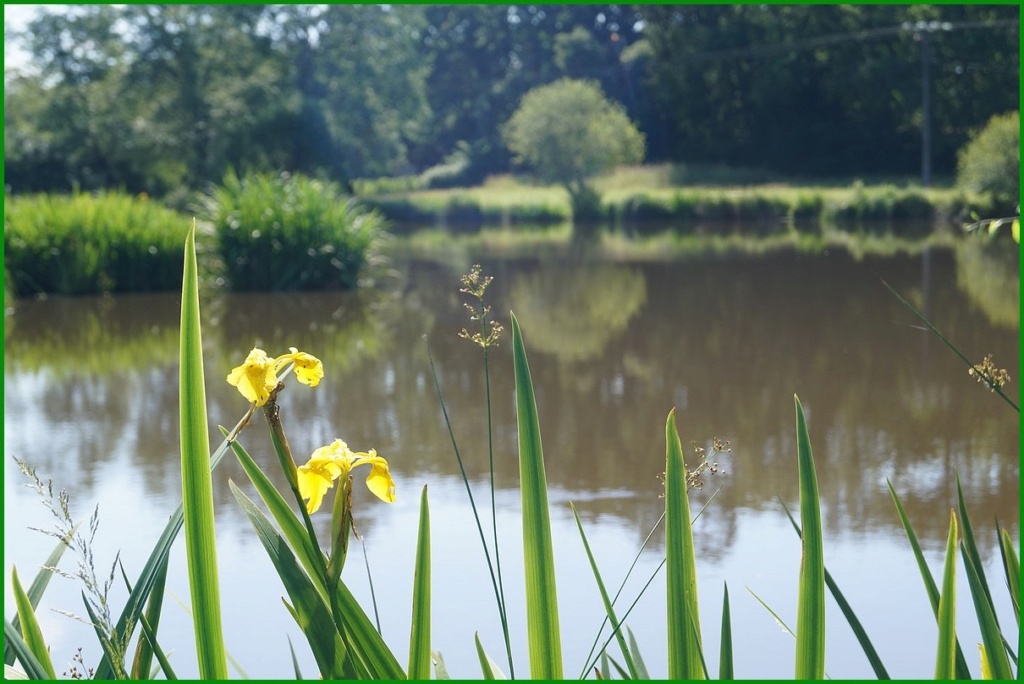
(613, 347)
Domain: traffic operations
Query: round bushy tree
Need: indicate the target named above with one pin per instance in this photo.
(567, 131)
(990, 161)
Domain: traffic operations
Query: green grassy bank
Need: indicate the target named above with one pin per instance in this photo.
(652, 198)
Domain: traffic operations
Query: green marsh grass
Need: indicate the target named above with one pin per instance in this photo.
(290, 233)
(89, 244)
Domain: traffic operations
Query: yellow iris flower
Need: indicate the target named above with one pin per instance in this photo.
(335, 461)
(256, 378)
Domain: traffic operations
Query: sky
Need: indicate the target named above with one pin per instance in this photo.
(17, 17)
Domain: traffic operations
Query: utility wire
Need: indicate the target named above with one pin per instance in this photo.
(829, 39)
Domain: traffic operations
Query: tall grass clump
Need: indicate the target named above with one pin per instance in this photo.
(877, 207)
(289, 233)
(89, 244)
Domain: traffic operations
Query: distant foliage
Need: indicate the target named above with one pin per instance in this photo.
(88, 244)
(568, 131)
(288, 233)
(990, 162)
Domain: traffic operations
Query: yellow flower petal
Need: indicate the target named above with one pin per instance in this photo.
(255, 378)
(315, 478)
(336, 460)
(308, 369)
(379, 480)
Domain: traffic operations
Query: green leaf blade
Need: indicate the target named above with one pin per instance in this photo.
(30, 631)
(810, 622)
(725, 664)
(606, 600)
(991, 635)
(308, 607)
(196, 482)
(684, 648)
(541, 597)
(945, 657)
(419, 637)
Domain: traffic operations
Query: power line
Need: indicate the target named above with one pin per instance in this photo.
(832, 38)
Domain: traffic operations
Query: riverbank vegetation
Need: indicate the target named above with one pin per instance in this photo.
(289, 233)
(656, 197)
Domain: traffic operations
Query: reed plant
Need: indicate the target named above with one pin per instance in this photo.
(90, 243)
(341, 635)
(290, 233)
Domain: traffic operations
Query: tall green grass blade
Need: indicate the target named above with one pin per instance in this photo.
(851, 617)
(591, 658)
(991, 636)
(487, 665)
(308, 608)
(810, 621)
(778, 620)
(440, 669)
(23, 654)
(969, 546)
(109, 651)
(681, 565)
(700, 651)
(311, 557)
(144, 584)
(149, 636)
(945, 657)
(196, 482)
(962, 671)
(995, 388)
(725, 664)
(419, 637)
(986, 670)
(609, 609)
(295, 659)
(1011, 568)
(618, 668)
(545, 645)
(38, 587)
(144, 651)
(496, 586)
(593, 661)
(33, 636)
(634, 648)
(363, 636)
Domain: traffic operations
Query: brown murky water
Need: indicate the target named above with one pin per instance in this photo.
(91, 401)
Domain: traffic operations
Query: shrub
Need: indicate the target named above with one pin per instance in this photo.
(990, 161)
(88, 244)
(289, 233)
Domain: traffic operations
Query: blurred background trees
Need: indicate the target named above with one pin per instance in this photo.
(166, 98)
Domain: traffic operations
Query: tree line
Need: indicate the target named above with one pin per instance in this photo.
(164, 99)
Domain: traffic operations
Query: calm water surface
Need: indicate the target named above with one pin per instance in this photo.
(91, 402)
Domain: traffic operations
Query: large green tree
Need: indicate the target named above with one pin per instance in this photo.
(825, 89)
(567, 131)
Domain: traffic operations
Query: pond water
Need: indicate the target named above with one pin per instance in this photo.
(91, 401)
